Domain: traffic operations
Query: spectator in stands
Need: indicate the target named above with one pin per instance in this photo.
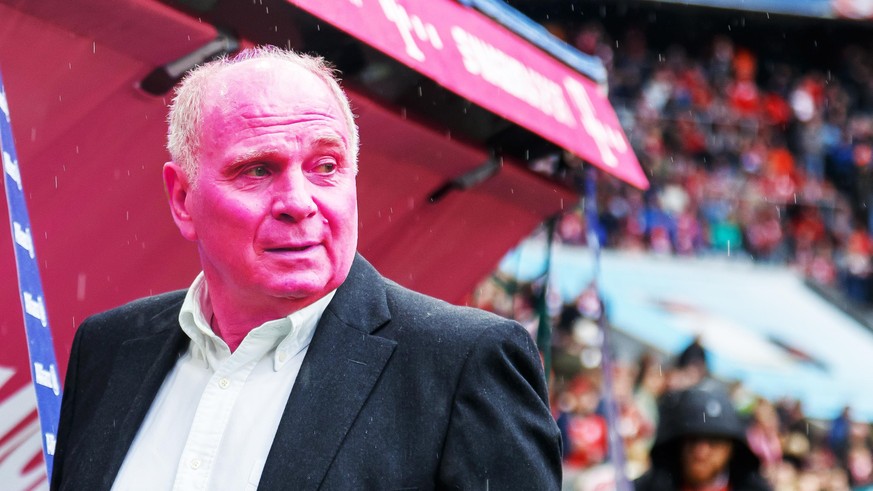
(763, 434)
(701, 445)
(692, 364)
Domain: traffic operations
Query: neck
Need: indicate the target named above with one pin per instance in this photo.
(232, 320)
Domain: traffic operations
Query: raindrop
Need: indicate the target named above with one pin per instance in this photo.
(318, 27)
(267, 9)
(419, 91)
(729, 248)
(80, 287)
(69, 66)
(93, 47)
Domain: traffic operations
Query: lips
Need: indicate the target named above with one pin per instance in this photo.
(284, 248)
(288, 249)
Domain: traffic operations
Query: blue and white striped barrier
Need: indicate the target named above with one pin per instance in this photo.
(43, 364)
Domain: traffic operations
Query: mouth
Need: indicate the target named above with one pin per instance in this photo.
(290, 248)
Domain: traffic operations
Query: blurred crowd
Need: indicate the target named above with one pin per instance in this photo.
(763, 159)
(766, 160)
(796, 453)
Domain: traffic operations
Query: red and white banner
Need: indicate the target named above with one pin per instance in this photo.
(480, 60)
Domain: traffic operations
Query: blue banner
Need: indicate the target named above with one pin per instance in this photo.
(807, 8)
(43, 365)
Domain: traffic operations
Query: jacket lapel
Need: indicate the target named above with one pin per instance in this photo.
(342, 364)
(142, 364)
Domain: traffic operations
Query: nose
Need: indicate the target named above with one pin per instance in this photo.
(292, 198)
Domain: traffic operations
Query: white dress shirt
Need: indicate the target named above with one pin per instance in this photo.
(212, 422)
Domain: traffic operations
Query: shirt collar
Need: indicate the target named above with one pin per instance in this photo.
(288, 335)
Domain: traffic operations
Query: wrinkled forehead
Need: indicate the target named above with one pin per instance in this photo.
(266, 88)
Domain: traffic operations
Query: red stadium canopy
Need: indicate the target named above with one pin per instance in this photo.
(471, 55)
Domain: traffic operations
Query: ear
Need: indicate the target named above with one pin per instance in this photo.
(176, 182)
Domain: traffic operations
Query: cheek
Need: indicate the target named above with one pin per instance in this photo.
(217, 211)
(342, 215)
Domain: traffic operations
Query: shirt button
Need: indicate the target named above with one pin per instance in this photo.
(195, 463)
(282, 357)
(223, 382)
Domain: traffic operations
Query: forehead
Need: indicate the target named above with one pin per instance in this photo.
(268, 88)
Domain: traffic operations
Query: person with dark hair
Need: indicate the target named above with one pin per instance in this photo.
(701, 446)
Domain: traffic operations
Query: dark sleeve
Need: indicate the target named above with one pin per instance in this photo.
(501, 433)
(68, 402)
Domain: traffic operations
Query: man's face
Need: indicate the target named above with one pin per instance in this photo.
(703, 458)
(273, 208)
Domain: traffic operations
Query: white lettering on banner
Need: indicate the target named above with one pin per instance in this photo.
(513, 76)
(51, 442)
(11, 168)
(47, 378)
(4, 105)
(608, 139)
(23, 238)
(357, 3)
(22, 445)
(407, 24)
(35, 308)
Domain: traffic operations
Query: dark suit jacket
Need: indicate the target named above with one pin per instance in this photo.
(397, 391)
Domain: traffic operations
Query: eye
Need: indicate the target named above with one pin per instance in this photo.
(257, 171)
(325, 167)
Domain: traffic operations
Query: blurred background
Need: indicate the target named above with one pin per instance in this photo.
(747, 260)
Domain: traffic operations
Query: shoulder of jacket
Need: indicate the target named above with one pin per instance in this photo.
(135, 315)
(426, 314)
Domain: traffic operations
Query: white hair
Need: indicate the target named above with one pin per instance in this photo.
(186, 110)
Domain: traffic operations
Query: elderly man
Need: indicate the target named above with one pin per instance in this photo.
(290, 363)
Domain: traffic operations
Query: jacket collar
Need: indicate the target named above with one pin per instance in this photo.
(145, 362)
(342, 365)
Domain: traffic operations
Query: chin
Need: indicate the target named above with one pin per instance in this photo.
(299, 290)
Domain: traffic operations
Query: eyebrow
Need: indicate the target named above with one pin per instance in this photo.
(254, 155)
(328, 141)
(318, 142)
